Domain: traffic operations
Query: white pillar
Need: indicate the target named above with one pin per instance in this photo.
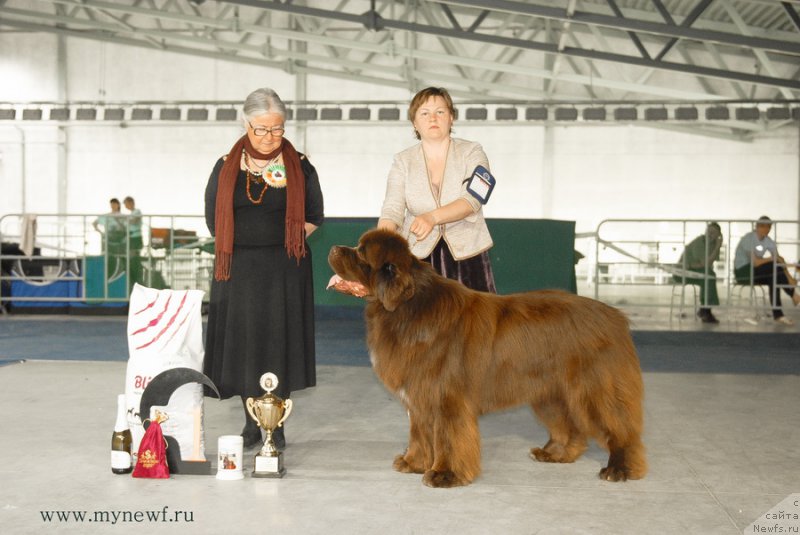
(548, 171)
(300, 92)
(61, 134)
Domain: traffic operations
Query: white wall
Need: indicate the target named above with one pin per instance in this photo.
(598, 171)
(636, 172)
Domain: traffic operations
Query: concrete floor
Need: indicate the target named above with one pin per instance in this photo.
(653, 308)
(723, 449)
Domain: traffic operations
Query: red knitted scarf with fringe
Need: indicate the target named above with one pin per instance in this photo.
(295, 203)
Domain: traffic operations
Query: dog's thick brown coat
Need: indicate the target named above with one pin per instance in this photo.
(451, 354)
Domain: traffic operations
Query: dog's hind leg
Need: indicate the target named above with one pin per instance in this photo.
(566, 443)
(418, 457)
(620, 432)
(625, 462)
(456, 446)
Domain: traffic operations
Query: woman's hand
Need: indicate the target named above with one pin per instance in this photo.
(387, 224)
(422, 225)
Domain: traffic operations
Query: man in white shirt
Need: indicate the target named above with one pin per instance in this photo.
(134, 224)
(757, 262)
(134, 240)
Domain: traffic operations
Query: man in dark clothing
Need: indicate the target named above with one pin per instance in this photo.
(699, 257)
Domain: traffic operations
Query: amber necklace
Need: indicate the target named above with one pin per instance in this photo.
(247, 188)
(256, 175)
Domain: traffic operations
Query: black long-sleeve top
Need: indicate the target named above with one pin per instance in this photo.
(263, 224)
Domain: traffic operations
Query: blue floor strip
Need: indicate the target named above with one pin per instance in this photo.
(340, 339)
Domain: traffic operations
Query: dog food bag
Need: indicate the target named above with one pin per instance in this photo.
(165, 331)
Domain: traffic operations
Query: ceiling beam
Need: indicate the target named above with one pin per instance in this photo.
(394, 50)
(714, 51)
(585, 17)
(759, 54)
(698, 10)
(635, 38)
(202, 28)
(451, 48)
(478, 20)
(696, 70)
(792, 14)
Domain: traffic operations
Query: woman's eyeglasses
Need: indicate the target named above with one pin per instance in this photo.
(261, 131)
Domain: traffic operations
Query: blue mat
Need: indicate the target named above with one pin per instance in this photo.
(340, 340)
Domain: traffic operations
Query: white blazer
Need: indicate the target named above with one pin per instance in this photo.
(409, 193)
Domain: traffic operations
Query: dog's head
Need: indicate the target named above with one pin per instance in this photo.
(382, 262)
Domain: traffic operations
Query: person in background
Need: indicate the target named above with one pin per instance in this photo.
(699, 257)
(134, 240)
(134, 224)
(112, 227)
(261, 203)
(757, 262)
(427, 199)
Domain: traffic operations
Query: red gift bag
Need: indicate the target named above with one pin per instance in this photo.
(152, 459)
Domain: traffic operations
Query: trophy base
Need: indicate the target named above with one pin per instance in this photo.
(269, 466)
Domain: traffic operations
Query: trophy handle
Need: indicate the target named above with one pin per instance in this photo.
(287, 404)
(250, 405)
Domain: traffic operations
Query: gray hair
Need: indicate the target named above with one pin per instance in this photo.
(261, 101)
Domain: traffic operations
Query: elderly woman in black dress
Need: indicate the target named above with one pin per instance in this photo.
(262, 201)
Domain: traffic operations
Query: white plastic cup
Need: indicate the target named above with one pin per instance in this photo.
(230, 452)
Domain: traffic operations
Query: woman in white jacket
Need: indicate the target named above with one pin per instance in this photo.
(427, 199)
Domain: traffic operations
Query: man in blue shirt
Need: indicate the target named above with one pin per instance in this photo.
(757, 262)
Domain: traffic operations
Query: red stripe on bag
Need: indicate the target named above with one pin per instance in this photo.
(154, 322)
(168, 325)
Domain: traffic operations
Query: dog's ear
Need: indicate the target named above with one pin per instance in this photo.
(393, 286)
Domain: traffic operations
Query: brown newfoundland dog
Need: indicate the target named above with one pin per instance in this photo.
(451, 354)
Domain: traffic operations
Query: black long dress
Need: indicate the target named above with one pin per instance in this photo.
(262, 319)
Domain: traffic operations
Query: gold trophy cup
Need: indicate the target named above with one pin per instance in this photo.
(269, 411)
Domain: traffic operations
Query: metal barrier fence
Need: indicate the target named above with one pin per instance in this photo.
(629, 253)
(91, 259)
(629, 262)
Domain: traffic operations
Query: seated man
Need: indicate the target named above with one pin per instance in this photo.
(757, 262)
(698, 257)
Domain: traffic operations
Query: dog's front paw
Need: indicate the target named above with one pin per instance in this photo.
(401, 464)
(612, 473)
(443, 480)
(538, 454)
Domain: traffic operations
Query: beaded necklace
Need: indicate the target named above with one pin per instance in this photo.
(256, 175)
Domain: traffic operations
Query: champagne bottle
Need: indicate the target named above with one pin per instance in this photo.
(121, 460)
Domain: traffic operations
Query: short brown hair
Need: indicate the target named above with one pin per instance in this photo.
(423, 95)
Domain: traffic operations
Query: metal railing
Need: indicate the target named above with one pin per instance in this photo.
(628, 262)
(628, 253)
(75, 261)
